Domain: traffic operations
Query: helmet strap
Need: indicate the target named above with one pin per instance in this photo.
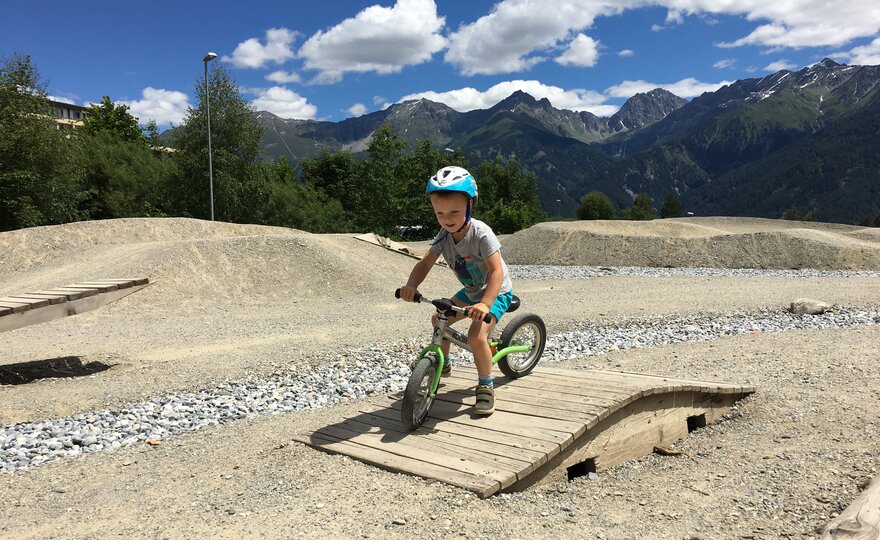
(467, 217)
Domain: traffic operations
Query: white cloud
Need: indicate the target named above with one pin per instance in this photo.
(358, 109)
(163, 106)
(724, 63)
(865, 55)
(468, 99)
(626, 53)
(685, 88)
(517, 34)
(285, 103)
(512, 37)
(583, 51)
(379, 39)
(283, 77)
(779, 65)
(379, 99)
(253, 54)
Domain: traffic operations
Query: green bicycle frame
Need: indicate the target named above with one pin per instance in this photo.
(435, 348)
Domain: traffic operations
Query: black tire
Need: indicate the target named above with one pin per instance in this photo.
(525, 328)
(416, 401)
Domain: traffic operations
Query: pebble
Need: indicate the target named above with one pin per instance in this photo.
(339, 376)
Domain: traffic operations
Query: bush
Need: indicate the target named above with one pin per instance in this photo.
(595, 205)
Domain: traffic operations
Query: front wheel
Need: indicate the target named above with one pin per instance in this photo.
(417, 398)
(526, 329)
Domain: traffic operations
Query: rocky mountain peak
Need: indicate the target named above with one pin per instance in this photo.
(645, 108)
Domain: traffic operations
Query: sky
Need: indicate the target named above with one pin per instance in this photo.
(339, 59)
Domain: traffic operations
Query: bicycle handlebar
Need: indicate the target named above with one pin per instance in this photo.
(445, 304)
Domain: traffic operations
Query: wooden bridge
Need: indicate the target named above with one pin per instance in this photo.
(35, 307)
(562, 423)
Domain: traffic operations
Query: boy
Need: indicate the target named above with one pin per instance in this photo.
(471, 250)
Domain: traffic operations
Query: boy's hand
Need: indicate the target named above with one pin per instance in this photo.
(408, 293)
(478, 311)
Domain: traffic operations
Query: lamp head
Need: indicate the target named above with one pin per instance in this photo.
(210, 56)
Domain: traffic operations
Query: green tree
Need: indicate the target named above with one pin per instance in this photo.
(124, 178)
(792, 214)
(508, 196)
(641, 210)
(414, 170)
(671, 207)
(382, 192)
(300, 206)
(40, 173)
(595, 205)
(115, 119)
(241, 193)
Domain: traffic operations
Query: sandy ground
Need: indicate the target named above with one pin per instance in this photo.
(234, 302)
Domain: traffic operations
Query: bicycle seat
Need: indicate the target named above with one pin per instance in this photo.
(514, 304)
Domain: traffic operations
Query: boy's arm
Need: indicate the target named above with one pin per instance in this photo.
(418, 275)
(493, 287)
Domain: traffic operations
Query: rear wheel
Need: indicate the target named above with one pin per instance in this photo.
(417, 398)
(526, 329)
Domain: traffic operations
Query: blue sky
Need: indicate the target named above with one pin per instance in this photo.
(335, 59)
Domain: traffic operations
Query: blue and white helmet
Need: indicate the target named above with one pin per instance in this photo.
(453, 179)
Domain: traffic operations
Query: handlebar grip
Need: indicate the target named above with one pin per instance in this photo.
(488, 318)
(416, 298)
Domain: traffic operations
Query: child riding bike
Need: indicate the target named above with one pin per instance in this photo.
(472, 251)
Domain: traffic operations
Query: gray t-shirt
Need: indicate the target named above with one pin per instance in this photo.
(468, 258)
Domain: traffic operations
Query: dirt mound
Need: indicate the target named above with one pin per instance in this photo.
(697, 242)
(190, 260)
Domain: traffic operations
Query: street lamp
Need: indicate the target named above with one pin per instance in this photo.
(208, 57)
(559, 207)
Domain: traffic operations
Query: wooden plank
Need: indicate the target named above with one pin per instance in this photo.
(860, 520)
(482, 486)
(505, 396)
(469, 466)
(454, 445)
(34, 303)
(83, 301)
(120, 283)
(539, 384)
(132, 281)
(570, 387)
(529, 414)
(16, 307)
(52, 298)
(5, 311)
(101, 287)
(536, 449)
(500, 420)
(70, 294)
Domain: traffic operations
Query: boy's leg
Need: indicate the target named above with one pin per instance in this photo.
(478, 340)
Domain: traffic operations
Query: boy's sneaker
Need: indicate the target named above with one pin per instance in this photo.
(485, 400)
(447, 369)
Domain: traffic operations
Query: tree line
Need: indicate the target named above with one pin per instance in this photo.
(112, 168)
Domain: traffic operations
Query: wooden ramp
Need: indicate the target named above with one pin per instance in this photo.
(21, 310)
(550, 422)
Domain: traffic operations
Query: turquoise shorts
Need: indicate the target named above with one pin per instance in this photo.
(499, 307)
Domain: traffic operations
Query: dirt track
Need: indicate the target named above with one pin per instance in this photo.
(236, 302)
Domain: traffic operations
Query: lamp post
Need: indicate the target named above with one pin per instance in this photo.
(559, 207)
(208, 57)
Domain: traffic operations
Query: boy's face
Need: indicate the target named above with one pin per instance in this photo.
(451, 210)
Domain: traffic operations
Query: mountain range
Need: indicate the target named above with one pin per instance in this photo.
(807, 140)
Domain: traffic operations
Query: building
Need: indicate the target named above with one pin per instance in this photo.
(68, 115)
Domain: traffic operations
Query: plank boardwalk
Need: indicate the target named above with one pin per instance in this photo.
(35, 307)
(552, 422)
